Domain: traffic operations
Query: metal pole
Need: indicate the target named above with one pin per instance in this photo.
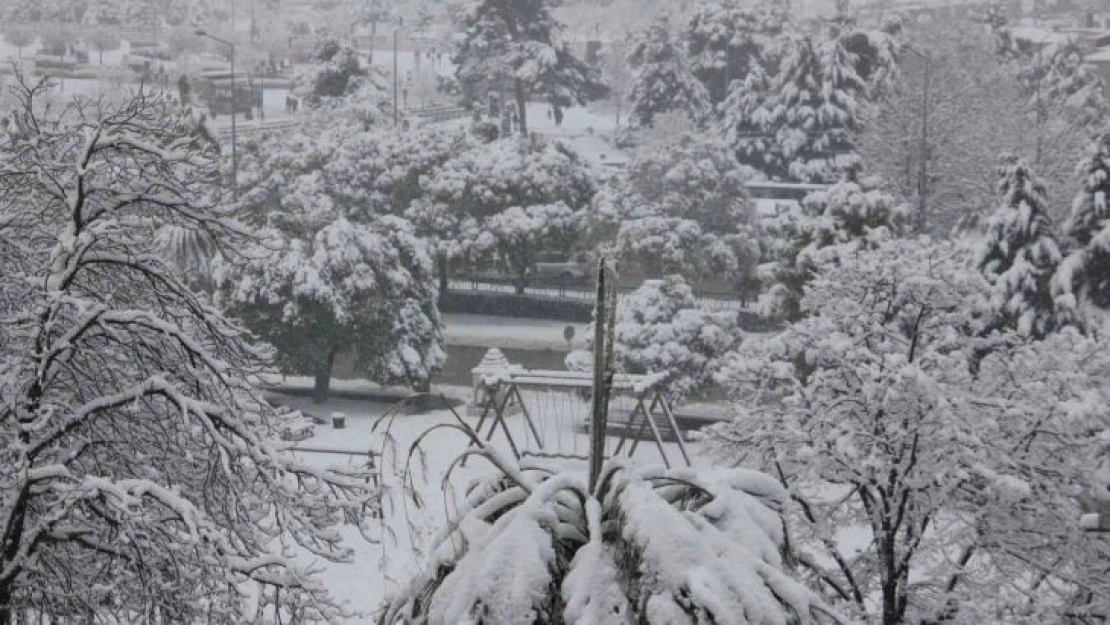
(234, 135)
(395, 81)
(923, 174)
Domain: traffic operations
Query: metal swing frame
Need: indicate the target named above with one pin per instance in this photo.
(499, 390)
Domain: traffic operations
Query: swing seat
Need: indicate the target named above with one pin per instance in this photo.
(620, 424)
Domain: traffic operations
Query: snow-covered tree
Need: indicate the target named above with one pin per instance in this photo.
(724, 42)
(974, 106)
(798, 124)
(511, 199)
(336, 81)
(663, 80)
(1057, 77)
(1019, 255)
(521, 43)
(339, 272)
(854, 212)
(535, 544)
(661, 329)
(141, 475)
(680, 208)
(924, 489)
(1084, 276)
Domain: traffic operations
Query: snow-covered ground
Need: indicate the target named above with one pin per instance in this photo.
(377, 569)
(506, 332)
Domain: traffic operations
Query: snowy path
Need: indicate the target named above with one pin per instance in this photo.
(378, 569)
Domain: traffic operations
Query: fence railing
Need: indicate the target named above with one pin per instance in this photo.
(578, 292)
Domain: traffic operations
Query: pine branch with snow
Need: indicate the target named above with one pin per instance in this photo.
(1084, 275)
(1018, 254)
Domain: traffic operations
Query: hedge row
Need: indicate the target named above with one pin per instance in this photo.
(513, 305)
(553, 308)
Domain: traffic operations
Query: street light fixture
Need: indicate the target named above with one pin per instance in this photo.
(234, 136)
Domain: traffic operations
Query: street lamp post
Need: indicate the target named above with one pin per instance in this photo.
(396, 32)
(922, 178)
(234, 135)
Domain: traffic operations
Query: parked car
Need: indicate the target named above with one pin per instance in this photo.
(573, 269)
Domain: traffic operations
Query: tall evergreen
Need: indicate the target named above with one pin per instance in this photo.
(1085, 273)
(517, 44)
(1019, 253)
(798, 124)
(724, 43)
(664, 81)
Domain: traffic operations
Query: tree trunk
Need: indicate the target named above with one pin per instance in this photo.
(521, 100)
(6, 612)
(442, 276)
(322, 387)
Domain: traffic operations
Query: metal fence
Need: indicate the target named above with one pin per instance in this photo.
(578, 292)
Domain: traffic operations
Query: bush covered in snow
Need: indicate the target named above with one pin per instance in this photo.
(680, 208)
(647, 545)
(661, 329)
(933, 473)
(854, 212)
(509, 200)
(336, 82)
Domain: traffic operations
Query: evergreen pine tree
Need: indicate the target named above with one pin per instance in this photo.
(519, 43)
(724, 43)
(1019, 253)
(664, 81)
(1085, 273)
(798, 124)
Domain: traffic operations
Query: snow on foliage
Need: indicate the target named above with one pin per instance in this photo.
(660, 329)
(1057, 76)
(854, 212)
(663, 79)
(1085, 273)
(339, 270)
(1018, 255)
(725, 42)
(648, 545)
(680, 208)
(797, 123)
(336, 83)
(941, 454)
(522, 43)
(511, 199)
(142, 477)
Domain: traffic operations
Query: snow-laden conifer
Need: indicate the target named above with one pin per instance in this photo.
(1018, 254)
(663, 79)
(1084, 275)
